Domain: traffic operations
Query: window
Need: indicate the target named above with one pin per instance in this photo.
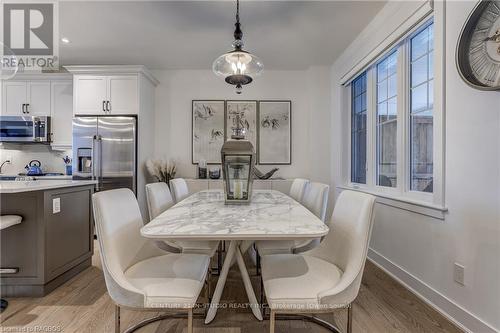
(421, 105)
(392, 119)
(387, 121)
(358, 130)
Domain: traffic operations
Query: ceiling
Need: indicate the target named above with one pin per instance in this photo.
(191, 34)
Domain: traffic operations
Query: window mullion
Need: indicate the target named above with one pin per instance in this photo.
(371, 130)
(402, 125)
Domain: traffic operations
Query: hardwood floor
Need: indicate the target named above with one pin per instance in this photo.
(83, 305)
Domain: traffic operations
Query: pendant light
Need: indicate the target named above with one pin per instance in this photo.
(238, 66)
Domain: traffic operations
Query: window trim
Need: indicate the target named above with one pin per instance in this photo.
(403, 192)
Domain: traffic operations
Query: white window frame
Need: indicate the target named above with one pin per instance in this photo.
(402, 193)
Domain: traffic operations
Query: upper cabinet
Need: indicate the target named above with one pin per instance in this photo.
(62, 113)
(26, 98)
(106, 95)
(42, 94)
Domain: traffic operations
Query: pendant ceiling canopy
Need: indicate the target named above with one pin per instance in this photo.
(238, 67)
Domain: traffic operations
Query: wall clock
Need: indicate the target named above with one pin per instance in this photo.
(478, 49)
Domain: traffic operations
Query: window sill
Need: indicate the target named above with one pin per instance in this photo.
(418, 207)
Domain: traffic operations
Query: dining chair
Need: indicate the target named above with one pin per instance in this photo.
(298, 188)
(179, 189)
(139, 275)
(161, 200)
(315, 198)
(327, 277)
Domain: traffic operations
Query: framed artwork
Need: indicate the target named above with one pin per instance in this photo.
(207, 130)
(275, 132)
(248, 114)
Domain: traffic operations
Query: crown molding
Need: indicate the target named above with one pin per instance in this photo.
(113, 69)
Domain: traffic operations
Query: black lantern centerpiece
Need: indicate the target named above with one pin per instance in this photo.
(238, 160)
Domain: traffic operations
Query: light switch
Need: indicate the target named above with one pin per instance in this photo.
(56, 205)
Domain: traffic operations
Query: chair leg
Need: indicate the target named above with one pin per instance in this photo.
(349, 318)
(190, 321)
(261, 291)
(257, 263)
(272, 321)
(117, 318)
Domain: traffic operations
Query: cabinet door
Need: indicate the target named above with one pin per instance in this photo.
(90, 93)
(123, 94)
(62, 112)
(14, 96)
(38, 98)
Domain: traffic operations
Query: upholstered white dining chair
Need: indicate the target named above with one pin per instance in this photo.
(159, 200)
(298, 188)
(179, 189)
(327, 277)
(138, 274)
(315, 198)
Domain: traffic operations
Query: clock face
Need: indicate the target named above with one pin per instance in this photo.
(478, 51)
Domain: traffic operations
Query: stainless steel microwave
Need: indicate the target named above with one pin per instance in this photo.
(25, 129)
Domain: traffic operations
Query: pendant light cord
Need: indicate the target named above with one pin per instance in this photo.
(238, 34)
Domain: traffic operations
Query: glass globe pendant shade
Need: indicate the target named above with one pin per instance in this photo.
(238, 67)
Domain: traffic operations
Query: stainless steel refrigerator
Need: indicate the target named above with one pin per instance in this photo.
(105, 149)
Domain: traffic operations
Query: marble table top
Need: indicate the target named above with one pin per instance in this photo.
(271, 215)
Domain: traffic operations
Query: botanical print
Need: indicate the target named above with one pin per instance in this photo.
(275, 132)
(248, 115)
(208, 131)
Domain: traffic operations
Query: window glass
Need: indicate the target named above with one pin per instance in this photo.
(386, 121)
(358, 130)
(421, 110)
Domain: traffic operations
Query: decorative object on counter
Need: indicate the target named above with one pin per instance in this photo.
(238, 160)
(214, 173)
(67, 161)
(238, 66)
(162, 170)
(34, 168)
(207, 130)
(275, 132)
(259, 175)
(202, 169)
(247, 112)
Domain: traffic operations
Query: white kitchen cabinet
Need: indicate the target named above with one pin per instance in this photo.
(13, 98)
(110, 95)
(38, 102)
(90, 94)
(62, 113)
(123, 94)
(21, 98)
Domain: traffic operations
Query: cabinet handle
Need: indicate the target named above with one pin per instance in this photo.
(27, 108)
(22, 108)
(108, 106)
(104, 106)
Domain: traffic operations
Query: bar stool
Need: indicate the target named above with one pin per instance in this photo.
(7, 221)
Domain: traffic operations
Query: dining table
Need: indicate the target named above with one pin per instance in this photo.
(270, 215)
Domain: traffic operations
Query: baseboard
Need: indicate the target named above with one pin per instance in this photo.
(452, 311)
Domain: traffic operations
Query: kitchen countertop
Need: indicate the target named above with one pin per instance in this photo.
(37, 185)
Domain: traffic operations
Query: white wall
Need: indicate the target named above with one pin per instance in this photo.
(420, 250)
(308, 90)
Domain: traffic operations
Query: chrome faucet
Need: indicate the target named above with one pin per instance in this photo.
(1, 165)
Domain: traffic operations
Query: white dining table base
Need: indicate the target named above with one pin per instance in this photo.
(234, 250)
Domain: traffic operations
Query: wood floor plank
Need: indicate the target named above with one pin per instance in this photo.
(82, 305)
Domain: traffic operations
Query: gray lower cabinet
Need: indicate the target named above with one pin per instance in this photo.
(47, 247)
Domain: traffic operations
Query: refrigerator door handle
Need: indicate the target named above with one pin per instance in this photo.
(92, 158)
(99, 139)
